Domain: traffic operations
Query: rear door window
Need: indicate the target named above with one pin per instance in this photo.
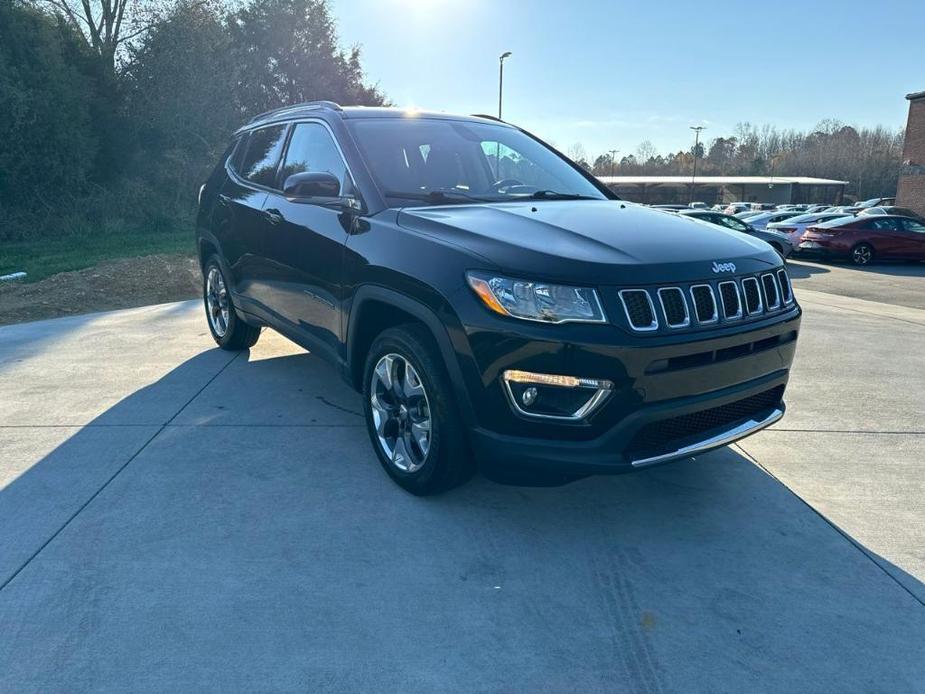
(884, 225)
(261, 157)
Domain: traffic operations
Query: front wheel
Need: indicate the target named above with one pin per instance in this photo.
(411, 417)
(862, 254)
(228, 331)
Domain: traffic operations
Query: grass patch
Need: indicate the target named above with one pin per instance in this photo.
(41, 258)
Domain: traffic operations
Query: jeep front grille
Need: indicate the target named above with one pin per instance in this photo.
(706, 303)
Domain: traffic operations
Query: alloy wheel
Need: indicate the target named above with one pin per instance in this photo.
(217, 302)
(861, 255)
(401, 412)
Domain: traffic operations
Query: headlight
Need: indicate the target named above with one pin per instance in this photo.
(538, 301)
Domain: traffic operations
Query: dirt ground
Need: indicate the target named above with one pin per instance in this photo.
(114, 284)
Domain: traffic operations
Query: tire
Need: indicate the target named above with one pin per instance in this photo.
(862, 254)
(228, 330)
(417, 409)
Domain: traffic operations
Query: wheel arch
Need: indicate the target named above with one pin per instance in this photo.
(374, 309)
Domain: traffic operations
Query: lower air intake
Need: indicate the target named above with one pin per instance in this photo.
(660, 436)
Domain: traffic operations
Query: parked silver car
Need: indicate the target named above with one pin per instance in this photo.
(795, 227)
(761, 221)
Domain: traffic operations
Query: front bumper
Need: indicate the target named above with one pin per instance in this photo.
(628, 445)
(669, 395)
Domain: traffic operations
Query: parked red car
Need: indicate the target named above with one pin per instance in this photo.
(865, 239)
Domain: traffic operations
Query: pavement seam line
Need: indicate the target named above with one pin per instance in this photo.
(865, 313)
(854, 543)
(112, 477)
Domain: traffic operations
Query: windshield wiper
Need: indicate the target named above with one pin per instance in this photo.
(437, 196)
(553, 195)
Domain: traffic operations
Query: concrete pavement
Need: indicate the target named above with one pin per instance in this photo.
(179, 519)
(888, 283)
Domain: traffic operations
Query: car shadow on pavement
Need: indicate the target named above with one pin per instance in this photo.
(799, 268)
(251, 541)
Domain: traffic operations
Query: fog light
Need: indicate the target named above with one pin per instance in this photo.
(550, 396)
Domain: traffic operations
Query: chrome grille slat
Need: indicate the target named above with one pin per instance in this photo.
(752, 292)
(636, 313)
(674, 307)
(784, 282)
(771, 292)
(727, 299)
(705, 292)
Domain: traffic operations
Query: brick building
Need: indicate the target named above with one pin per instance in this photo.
(911, 192)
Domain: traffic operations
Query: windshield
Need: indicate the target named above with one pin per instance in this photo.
(446, 161)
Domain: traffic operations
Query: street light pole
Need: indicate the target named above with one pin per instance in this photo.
(506, 54)
(613, 156)
(696, 129)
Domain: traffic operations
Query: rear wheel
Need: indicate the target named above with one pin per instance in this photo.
(411, 417)
(228, 331)
(862, 254)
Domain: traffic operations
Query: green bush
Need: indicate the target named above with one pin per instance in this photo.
(86, 148)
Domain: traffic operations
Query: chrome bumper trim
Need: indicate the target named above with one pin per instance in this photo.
(721, 439)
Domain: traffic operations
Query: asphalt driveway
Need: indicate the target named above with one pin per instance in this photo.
(176, 518)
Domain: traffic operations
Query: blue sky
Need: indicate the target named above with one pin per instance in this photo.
(612, 74)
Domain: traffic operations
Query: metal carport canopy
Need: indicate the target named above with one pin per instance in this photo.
(718, 180)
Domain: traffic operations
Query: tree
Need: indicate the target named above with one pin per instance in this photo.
(579, 155)
(49, 144)
(107, 25)
(645, 155)
(287, 51)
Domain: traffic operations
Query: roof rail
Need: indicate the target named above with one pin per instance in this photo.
(485, 115)
(306, 105)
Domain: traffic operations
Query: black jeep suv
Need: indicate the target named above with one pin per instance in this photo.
(491, 300)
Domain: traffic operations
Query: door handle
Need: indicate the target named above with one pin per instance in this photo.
(274, 216)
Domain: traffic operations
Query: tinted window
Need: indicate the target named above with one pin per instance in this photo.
(733, 223)
(421, 155)
(311, 148)
(261, 157)
(882, 225)
(913, 225)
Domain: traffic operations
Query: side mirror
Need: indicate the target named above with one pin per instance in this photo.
(312, 184)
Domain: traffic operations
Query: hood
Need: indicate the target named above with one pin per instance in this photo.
(604, 242)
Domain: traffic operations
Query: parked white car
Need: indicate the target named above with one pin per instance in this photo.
(761, 220)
